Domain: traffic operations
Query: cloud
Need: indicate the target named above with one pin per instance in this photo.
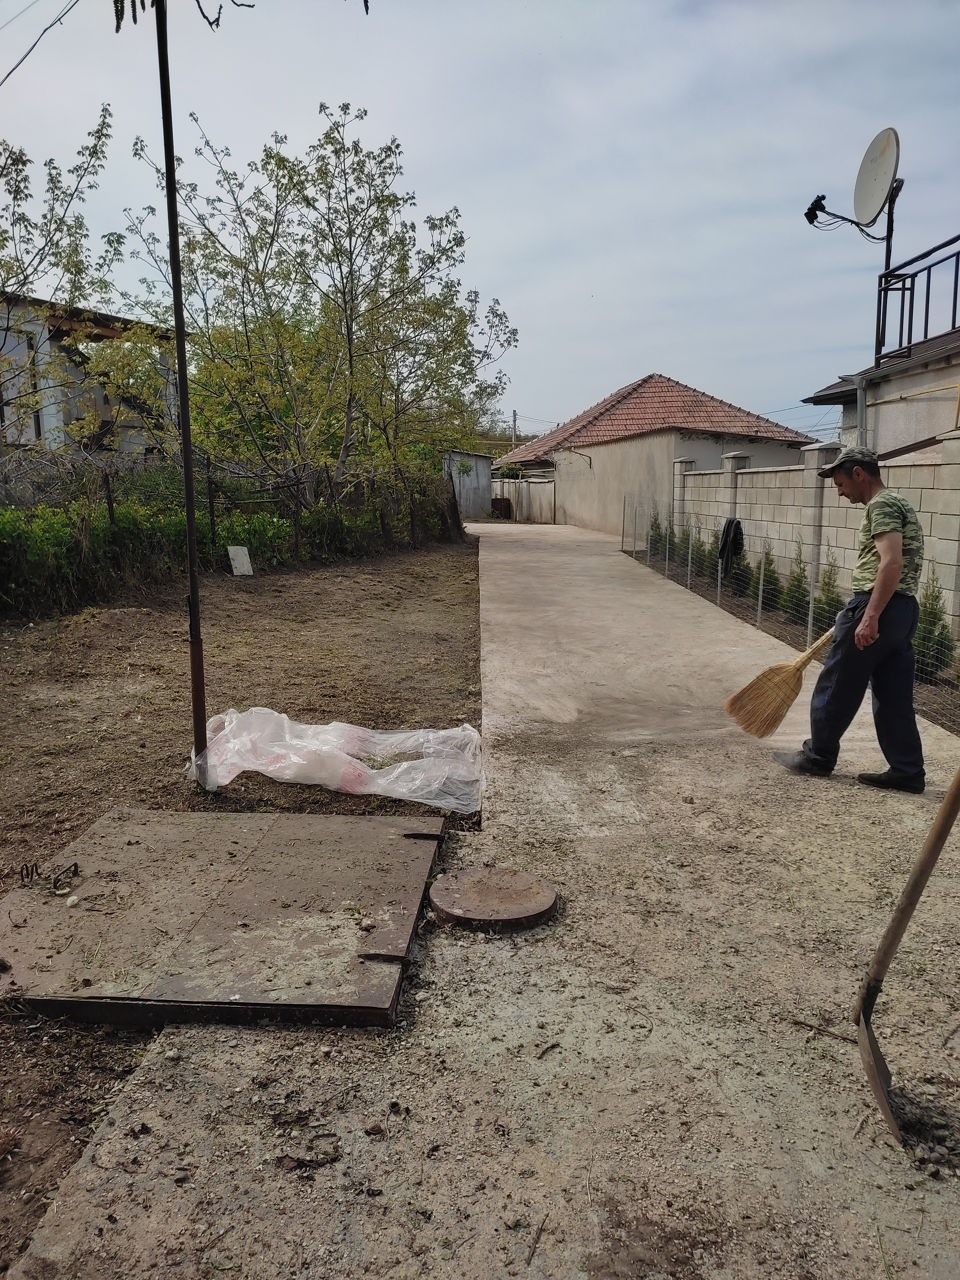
(631, 177)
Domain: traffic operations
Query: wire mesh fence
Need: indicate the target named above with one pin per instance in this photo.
(76, 530)
(795, 603)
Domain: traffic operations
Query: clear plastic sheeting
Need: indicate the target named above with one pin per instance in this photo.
(438, 767)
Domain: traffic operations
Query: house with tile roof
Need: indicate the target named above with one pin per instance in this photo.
(629, 442)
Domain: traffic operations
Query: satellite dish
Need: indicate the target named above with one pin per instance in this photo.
(878, 172)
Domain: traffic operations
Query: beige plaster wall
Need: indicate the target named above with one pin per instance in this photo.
(592, 483)
(907, 408)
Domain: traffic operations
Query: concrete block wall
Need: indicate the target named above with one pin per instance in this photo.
(779, 504)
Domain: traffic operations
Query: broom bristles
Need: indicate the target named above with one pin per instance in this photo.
(760, 706)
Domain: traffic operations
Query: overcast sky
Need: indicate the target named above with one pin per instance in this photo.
(631, 174)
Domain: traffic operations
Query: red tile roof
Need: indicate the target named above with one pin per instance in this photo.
(655, 403)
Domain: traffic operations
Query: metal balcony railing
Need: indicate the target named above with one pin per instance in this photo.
(918, 300)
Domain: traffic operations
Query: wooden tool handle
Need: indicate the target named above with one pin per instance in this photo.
(917, 882)
(814, 651)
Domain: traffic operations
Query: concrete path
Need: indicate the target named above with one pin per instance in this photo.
(636, 1089)
(582, 642)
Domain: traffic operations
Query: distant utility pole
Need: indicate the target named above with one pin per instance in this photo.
(513, 438)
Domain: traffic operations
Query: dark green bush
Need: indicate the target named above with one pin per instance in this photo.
(933, 643)
(795, 601)
(55, 559)
(740, 575)
(712, 556)
(655, 541)
(828, 601)
(699, 554)
(772, 586)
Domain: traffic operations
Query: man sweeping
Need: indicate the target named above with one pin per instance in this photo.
(873, 636)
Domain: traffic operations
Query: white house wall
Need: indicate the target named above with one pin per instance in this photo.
(592, 483)
(19, 427)
(906, 408)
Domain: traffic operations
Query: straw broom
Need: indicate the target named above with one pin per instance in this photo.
(760, 706)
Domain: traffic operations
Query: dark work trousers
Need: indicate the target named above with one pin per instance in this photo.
(887, 667)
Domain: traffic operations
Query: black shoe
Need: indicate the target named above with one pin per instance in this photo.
(797, 762)
(891, 781)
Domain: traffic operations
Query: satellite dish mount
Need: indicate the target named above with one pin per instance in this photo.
(876, 189)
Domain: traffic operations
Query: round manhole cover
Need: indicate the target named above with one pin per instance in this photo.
(492, 898)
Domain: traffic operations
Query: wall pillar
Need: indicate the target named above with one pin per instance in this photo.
(814, 457)
(732, 463)
(680, 468)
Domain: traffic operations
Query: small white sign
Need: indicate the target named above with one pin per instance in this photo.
(240, 562)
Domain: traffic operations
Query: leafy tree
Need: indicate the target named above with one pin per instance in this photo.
(326, 329)
(44, 243)
(46, 257)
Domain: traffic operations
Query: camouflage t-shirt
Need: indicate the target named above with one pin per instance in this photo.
(889, 513)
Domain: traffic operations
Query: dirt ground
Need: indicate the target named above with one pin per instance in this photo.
(95, 711)
(660, 1083)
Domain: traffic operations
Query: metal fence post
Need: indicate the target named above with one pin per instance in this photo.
(689, 558)
(649, 525)
(636, 513)
(623, 526)
(814, 581)
(763, 558)
(719, 576)
(666, 557)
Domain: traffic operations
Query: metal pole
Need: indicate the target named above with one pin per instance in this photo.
(636, 512)
(623, 526)
(719, 573)
(186, 443)
(763, 561)
(649, 539)
(814, 579)
(666, 558)
(689, 557)
(212, 513)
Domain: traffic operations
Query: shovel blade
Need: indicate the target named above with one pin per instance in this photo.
(878, 1073)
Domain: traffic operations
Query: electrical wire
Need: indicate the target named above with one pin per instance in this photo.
(19, 15)
(59, 18)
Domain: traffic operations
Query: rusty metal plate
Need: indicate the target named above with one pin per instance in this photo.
(493, 898)
(181, 915)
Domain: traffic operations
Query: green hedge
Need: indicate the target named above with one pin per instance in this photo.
(58, 559)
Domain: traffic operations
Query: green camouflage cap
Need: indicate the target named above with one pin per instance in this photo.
(855, 457)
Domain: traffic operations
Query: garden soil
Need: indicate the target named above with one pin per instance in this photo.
(661, 1082)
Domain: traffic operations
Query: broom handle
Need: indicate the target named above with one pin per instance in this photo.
(916, 883)
(814, 651)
